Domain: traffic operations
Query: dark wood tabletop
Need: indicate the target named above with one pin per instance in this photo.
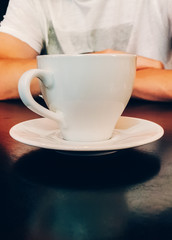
(46, 195)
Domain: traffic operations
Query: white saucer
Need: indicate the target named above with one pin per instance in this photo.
(129, 132)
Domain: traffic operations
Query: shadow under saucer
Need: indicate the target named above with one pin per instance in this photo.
(120, 169)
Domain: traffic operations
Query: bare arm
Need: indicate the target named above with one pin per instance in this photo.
(16, 57)
(152, 82)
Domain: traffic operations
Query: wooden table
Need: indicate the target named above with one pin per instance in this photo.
(45, 195)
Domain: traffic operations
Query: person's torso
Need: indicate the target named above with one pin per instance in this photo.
(136, 26)
(142, 27)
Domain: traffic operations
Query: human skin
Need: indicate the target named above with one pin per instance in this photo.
(16, 57)
(152, 82)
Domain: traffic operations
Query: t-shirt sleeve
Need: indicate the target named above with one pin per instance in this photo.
(22, 21)
(170, 16)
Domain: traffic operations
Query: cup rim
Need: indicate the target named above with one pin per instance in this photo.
(129, 55)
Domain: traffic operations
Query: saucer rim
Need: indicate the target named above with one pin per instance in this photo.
(85, 147)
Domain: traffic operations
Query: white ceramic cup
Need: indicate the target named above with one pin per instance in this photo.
(86, 94)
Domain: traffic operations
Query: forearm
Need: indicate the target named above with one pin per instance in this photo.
(153, 85)
(10, 72)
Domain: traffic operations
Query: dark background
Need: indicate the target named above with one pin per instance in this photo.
(3, 7)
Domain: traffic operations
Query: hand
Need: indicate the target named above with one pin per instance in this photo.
(142, 62)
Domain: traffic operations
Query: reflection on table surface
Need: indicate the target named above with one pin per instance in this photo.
(45, 194)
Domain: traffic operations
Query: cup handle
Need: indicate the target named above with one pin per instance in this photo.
(46, 78)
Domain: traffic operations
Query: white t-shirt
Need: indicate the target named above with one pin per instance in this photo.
(142, 27)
